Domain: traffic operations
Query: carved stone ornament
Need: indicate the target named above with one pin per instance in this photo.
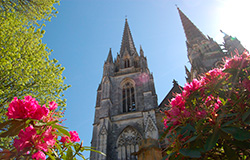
(129, 137)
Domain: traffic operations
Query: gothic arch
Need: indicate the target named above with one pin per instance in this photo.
(106, 87)
(127, 143)
(125, 80)
(126, 59)
(151, 130)
(102, 142)
(128, 95)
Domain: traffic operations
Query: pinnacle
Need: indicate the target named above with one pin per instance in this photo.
(109, 58)
(141, 51)
(127, 40)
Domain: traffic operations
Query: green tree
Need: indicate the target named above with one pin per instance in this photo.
(32, 9)
(25, 67)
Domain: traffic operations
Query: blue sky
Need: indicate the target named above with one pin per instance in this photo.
(84, 30)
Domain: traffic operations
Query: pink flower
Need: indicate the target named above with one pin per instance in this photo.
(52, 105)
(212, 76)
(73, 137)
(27, 108)
(39, 156)
(246, 84)
(40, 112)
(166, 123)
(29, 138)
(201, 114)
(65, 139)
(178, 101)
(49, 138)
(16, 109)
(24, 141)
(238, 62)
(191, 87)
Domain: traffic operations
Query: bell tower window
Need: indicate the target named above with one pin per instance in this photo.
(126, 63)
(128, 97)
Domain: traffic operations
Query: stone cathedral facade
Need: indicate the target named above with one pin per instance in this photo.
(125, 105)
(127, 111)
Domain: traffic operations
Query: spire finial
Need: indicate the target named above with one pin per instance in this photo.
(127, 41)
(223, 32)
(175, 82)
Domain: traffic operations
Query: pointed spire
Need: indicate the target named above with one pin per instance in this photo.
(141, 51)
(193, 34)
(110, 58)
(127, 40)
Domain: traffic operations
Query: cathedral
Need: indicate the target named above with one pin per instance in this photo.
(127, 122)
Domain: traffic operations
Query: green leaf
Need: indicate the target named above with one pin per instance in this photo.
(233, 71)
(193, 153)
(61, 129)
(246, 117)
(52, 122)
(14, 129)
(39, 124)
(185, 131)
(230, 152)
(79, 154)
(163, 135)
(228, 115)
(244, 145)
(229, 122)
(69, 155)
(211, 140)
(50, 156)
(191, 139)
(237, 133)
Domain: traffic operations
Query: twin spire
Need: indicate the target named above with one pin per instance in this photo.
(193, 34)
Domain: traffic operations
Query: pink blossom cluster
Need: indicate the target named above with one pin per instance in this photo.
(182, 110)
(29, 138)
(73, 137)
(27, 108)
(34, 138)
(238, 62)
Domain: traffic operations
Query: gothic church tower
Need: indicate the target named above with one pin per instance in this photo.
(126, 99)
(204, 53)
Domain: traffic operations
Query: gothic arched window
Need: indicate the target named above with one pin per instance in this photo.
(126, 63)
(128, 143)
(128, 97)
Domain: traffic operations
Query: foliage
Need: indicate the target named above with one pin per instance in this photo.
(210, 119)
(25, 65)
(38, 131)
(32, 9)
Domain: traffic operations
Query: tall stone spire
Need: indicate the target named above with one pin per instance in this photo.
(193, 34)
(127, 41)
